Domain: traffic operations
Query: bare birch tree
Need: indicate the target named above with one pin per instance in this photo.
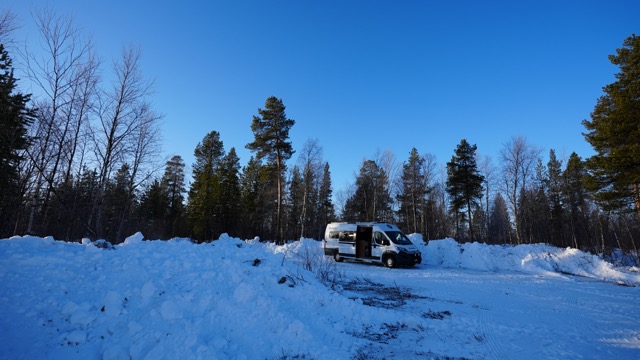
(126, 129)
(8, 24)
(312, 165)
(392, 169)
(518, 166)
(429, 166)
(65, 73)
(488, 171)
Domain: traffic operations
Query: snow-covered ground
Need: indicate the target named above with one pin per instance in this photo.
(233, 299)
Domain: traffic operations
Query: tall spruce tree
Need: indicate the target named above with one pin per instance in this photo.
(86, 189)
(205, 190)
(311, 184)
(256, 201)
(118, 206)
(413, 192)
(15, 118)
(174, 188)
(480, 223)
(536, 213)
(499, 223)
(433, 224)
(371, 201)
(271, 142)
(575, 200)
(229, 199)
(152, 216)
(464, 182)
(554, 184)
(310, 164)
(295, 204)
(437, 223)
(615, 135)
(327, 209)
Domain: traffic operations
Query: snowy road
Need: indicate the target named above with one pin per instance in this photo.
(506, 315)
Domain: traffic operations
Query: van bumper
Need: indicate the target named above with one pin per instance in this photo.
(330, 251)
(405, 258)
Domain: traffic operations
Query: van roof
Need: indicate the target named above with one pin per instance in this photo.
(359, 222)
(364, 224)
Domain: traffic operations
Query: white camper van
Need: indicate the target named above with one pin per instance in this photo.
(370, 242)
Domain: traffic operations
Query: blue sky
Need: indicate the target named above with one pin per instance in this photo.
(365, 76)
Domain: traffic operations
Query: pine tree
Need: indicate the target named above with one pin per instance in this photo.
(615, 135)
(464, 182)
(15, 118)
(271, 141)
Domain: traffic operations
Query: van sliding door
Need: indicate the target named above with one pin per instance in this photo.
(363, 241)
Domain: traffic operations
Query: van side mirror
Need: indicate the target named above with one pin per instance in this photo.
(385, 242)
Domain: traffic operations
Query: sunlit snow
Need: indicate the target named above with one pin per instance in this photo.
(234, 299)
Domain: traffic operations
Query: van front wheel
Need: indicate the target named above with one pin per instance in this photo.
(390, 261)
(337, 257)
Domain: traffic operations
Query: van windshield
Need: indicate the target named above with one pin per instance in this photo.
(398, 237)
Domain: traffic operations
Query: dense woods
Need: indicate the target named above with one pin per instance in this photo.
(80, 160)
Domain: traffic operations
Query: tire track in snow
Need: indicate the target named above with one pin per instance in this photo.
(488, 336)
(577, 320)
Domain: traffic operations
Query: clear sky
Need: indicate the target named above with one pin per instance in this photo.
(365, 76)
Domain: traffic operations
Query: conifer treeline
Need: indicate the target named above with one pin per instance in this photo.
(78, 162)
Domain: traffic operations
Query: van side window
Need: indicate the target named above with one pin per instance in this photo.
(347, 236)
(334, 234)
(379, 238)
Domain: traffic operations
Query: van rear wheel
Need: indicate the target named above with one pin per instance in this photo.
(337, 257)
(390, 261)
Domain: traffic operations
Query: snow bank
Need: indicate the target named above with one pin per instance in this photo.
(173, 299)
(228, 299)
(533, 259)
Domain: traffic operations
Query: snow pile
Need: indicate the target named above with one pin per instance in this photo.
(251, 300)
(174, 299)
(532, 259)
